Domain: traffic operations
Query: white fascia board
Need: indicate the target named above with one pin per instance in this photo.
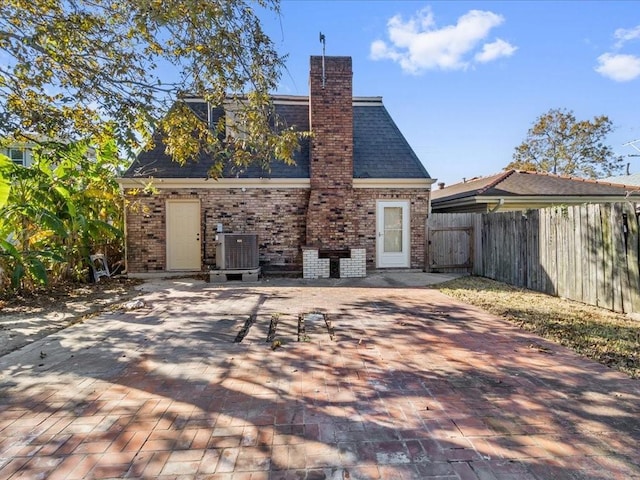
(393, 183)
(290, 100)
(279, 99)
(554, 200)
(211, 184)
(366, 101)
(203, 183)
(298, 99)
(533, 201)
(437, 203)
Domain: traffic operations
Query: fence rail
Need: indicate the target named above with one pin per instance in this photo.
(587, 253)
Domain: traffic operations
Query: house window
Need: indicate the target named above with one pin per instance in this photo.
(234, 122)
(17, 156)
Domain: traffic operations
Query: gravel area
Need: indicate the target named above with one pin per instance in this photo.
(25, 319)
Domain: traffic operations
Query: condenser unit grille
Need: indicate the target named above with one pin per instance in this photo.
(237, 251)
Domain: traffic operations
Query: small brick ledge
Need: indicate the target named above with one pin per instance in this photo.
(312, 266)
(353, 267)
(356, 266)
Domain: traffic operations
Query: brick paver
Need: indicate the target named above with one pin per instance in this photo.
(413, 385)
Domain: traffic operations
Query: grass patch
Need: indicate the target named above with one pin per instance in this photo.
(612, 339)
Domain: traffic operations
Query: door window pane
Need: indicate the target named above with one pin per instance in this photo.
(392, 229)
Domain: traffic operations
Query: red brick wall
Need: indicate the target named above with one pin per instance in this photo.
(331, 220)
(278, 216)
(365, 213)
(145, 233)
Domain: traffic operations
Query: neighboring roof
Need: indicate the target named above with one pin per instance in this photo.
(519, 189)
(518, 183)
(633, 179)
(379, 148)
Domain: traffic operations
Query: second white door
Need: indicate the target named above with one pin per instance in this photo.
(392, 236)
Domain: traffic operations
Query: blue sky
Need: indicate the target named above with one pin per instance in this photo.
(464, 81)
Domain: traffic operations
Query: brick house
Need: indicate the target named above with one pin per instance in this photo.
(357, 187)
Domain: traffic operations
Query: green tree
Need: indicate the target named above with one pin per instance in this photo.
(560, 144)
(58, 211)
(70, 66)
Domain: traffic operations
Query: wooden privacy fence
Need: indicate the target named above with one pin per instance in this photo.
(587, 253)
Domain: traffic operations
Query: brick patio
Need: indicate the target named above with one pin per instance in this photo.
(414, 385)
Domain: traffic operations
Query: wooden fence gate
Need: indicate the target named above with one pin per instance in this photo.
(452, 242)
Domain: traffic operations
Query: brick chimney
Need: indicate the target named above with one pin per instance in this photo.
(329, 214)
(331, 121)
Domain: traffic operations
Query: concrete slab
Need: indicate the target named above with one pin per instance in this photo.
(413, 385)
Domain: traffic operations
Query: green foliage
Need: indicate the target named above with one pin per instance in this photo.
(5, 185)
(58, 211)
(69, 66)
(560, 144)
(26, 267)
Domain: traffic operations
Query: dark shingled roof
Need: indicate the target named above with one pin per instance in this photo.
(380, 149)
(513, 183)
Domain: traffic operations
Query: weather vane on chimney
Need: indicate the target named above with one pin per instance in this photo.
(323, 41)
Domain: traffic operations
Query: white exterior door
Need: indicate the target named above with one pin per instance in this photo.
(393, 238)
(183, 235)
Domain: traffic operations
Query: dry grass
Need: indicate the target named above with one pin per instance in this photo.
(610, 338)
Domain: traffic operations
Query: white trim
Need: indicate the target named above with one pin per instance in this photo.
(297, 100)
(291, 100)
(532, 201)
(367, 101)
(553, 199)
(211, 184)
(393, 183)
(193, 99)
(528, 202)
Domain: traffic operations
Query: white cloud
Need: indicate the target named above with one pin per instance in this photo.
(492, 51)
(619, 67)
(380, 51)
(418, 45)
(624, 35)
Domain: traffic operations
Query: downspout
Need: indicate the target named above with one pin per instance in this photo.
(125, 230)
(205, 259)
(497, 206)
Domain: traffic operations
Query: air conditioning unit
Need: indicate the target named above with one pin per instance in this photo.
(237, 251)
